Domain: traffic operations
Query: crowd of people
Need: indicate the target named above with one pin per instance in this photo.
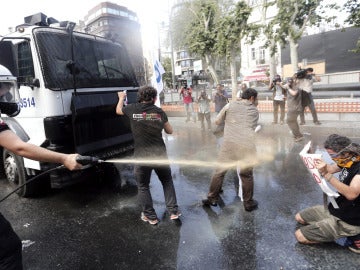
(238, 119)
(289, 102)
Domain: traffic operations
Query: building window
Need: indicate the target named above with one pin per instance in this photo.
(253, 54)
(261, 53)
(124, 14)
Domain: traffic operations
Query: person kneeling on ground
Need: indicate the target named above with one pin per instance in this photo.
(328, 225)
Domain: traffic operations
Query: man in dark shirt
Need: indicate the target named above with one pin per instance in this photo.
(220, 98)
(147, 122)
(328, 225)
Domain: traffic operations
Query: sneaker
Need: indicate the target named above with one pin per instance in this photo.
(250, 205)
(175, 216)
(355, 246)
(281, 122)
(207, 202)
(317, 123)
(302, 123)
(150, 221)
(274, 123)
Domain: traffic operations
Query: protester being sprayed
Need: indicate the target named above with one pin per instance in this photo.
(331, 223)
(238, 148)
(147, 122)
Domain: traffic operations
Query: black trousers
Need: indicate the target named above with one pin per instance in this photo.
(143, 175)
(10, 247)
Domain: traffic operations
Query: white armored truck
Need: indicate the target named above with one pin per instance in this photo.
(68, 83)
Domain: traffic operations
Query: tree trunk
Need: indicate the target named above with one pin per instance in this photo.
(211, 69)
(293, 54)
(233, 73)
(272, 64)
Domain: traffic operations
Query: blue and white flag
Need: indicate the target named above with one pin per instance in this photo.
(157, 79)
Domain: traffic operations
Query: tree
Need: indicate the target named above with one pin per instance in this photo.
(201, 33)
(232, 29)
(167, 76)
(353, 8)
(292, 19)
(269, 32)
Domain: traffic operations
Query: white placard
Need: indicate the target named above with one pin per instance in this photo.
(309, 161)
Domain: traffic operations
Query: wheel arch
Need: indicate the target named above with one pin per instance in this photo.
(19, 131)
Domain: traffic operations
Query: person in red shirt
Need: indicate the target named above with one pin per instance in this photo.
(186, 94)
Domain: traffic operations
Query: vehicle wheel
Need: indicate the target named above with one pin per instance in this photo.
(16, 175)
(110, 174)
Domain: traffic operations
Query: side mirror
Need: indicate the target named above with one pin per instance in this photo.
(35, 83)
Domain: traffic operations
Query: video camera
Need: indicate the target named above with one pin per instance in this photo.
(276, 79)
(301, 74)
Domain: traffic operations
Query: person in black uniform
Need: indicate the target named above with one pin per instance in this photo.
(147, 122)
(10, 243)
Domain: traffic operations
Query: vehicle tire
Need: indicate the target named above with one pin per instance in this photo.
(16, 175)
(109, 174)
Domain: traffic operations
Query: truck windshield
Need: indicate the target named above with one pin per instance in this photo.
(97, 62)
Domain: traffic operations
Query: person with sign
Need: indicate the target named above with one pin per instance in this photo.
(329, 224)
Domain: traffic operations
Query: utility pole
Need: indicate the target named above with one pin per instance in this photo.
(171, 47)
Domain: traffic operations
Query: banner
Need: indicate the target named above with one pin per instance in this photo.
(308, 160)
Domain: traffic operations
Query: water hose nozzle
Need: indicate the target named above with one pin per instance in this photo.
(88, 160)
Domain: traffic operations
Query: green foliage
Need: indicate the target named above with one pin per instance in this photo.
(353, 8)
(233, 28)
(293, 18)
(167, 76)
(202, 31)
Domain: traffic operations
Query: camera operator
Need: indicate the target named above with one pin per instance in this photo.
(306, 84)
(279, 97)
(294, 107)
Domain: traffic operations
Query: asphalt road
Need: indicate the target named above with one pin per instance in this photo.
(93, 226)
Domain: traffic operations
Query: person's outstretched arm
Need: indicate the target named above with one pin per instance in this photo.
(13, 143)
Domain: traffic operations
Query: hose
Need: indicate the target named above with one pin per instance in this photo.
(30, 180)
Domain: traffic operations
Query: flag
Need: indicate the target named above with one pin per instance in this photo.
(157, 79)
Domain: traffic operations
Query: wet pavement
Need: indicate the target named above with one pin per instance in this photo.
(94, 226)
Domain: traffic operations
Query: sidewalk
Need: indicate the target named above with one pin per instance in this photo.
(346, 128)
(340, 116)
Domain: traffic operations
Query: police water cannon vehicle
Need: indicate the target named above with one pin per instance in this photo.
(68, 83)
